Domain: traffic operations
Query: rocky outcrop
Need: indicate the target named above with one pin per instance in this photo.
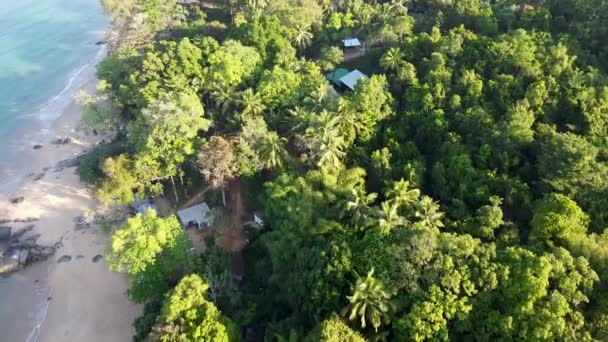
(62, 141)
(67, 163)
(18, 250)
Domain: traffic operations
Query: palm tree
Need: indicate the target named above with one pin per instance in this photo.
(403, 194)
(223, 98)
(256, 5)
(429, 214)
(359, 206)
(370, 302)
(251, 103)
(392, 59)
(331, 152)
(325, 142)
(348, 121)
(303, 37)
(320, 95)
(300, 118)
(398, 6)
(389, 217)
(272, 151)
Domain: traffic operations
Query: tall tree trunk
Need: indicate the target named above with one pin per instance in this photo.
(224, 197)
(181, 182)
(174, 190)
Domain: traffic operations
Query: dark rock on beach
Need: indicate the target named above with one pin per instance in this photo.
(64, 258)
(67, 163)
(19, 253)
(97, 258)
(62, 141)
(17, 200)
(26, 220)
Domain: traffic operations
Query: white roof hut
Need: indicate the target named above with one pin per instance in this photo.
(352, 78)
(199, 215)
(351, 42)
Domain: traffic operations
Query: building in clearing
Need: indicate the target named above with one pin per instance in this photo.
(350, 43)
(335, 76)
(199, 215)
(351, 79)
(342, 79)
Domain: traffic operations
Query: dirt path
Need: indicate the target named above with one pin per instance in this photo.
(235, 189)
(231, 236)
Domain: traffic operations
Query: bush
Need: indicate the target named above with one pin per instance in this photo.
(144, 323)
(89, 168)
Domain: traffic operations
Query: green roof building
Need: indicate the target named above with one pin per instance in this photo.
(335, 76)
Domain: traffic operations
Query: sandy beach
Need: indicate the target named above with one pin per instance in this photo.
(72, 296)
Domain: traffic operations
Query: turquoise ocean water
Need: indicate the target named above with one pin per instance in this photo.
(47, 51)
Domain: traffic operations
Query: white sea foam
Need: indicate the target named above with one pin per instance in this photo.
(53, 108)
(41, 312)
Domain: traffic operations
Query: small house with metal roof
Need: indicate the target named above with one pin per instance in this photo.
(335, 76)
(199, 215)
(351, 79)
(351, 43)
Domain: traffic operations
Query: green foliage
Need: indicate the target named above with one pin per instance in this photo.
(187, 316)
(569, 163)
(232, 64)
(137, 78)
(468, 171)
(144, 323)
(164, 135)
(330, 57)
(90, 167)
(487, 220)
(119, 181)
(371, 103)
(152, 250)
(556, 218)
(428, 319)
(136, 244)
(333, 329)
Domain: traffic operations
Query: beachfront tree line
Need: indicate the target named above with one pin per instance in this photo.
(458, 194)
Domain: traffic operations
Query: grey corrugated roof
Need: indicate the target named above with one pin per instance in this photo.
(350, 80)
(199, 213)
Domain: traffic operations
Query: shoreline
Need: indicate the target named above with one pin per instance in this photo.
(42, 127)
(81, 298)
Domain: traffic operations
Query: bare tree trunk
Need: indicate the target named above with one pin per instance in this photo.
(174, 190)
(181, 181)
(224, 197)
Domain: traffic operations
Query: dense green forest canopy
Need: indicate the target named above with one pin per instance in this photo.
(460, 193)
